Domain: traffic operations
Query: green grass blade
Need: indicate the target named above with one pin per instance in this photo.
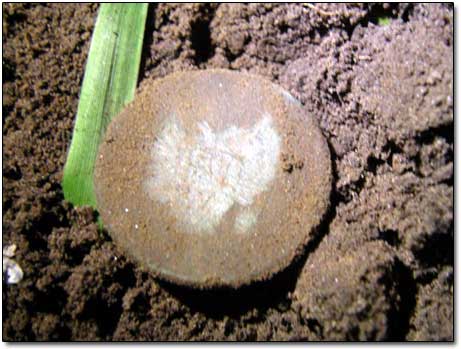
(383, 21)
(109, 83)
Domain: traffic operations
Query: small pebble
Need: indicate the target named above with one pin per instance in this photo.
(9, 250)
(13, 271)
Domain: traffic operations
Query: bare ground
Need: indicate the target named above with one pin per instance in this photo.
(382, 265)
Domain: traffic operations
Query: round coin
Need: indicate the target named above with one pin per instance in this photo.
(213, 178)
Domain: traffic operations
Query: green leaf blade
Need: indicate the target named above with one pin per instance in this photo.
(109, 83)
(383, 21)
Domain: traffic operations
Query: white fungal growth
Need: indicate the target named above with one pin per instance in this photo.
(244, 221)
(202, 173)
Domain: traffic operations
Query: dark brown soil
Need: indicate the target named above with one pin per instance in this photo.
(382, 265)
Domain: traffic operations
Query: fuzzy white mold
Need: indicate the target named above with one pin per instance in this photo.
(245, 220)
(202, 173)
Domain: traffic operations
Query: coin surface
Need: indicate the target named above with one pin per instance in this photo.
(213, 178)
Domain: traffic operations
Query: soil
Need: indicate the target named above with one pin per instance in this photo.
(381, 267)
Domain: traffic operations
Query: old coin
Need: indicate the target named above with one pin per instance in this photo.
(213, 178)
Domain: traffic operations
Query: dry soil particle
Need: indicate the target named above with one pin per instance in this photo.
(382, 265)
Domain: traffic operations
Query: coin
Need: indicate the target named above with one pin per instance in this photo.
(213, 178)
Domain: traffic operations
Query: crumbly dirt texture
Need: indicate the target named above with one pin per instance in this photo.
(381, 267)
